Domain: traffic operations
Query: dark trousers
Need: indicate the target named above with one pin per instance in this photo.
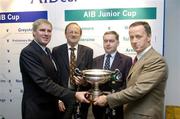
(84, 110)
(68, 112)
(77, 111)
(39, 110)
(107, 113)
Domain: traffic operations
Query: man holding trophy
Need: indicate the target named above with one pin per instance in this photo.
(144, 95)
(111, 60)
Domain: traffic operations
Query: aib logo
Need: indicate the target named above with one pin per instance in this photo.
(51, 1)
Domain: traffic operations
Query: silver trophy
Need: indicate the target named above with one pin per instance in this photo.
(97, 77)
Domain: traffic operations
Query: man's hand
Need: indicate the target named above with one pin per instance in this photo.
(80, 96)
(61, 106)
(101, 100)
(79, 80)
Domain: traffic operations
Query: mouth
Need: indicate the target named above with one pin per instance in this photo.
(108, 48)
(45, 38)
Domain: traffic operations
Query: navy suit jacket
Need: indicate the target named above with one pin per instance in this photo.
(84, 61)
(41, 90)
(121, 62)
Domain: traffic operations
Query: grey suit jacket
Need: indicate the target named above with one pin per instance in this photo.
(144, 95)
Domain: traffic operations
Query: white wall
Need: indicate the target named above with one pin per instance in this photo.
(172, 48)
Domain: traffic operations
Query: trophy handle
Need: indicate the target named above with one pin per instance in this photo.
(78, 72)
(116, 75)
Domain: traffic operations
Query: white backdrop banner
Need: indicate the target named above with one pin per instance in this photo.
(94, 16)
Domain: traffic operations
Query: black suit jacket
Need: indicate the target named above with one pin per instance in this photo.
(121, 62)
(84, 61)
(41, 90)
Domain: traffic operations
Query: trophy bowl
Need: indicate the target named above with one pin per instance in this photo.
(97, 77)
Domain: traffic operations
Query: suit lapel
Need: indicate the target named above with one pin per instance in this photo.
(100, 62)
(116, 62)
(43, 55)
(80, 54)
(140, 62)
(65, 56)
(37, 48)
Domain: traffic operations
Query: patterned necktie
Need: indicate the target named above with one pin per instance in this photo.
(72, 65)
(107, 62)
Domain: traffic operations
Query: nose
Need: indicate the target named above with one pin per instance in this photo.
(107, 44)
(133, 40)
(47, 32)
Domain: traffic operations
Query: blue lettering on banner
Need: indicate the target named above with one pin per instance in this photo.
(51, 1)
(18, 81)
(2, 100)
(15, 17)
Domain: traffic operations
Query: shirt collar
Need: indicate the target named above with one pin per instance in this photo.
(143, 52)
(76, 46)
(112, 54)
(40, 45)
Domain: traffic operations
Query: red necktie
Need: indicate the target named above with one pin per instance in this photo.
(135, 60)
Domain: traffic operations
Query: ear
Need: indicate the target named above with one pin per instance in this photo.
(118, 43)
(149, 39)
(33, 33)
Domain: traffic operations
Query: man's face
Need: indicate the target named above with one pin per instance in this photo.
(110, 43)
(73, 34)
(43, 34)
(139, 38)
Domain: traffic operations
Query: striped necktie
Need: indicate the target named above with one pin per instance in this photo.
(107, 62)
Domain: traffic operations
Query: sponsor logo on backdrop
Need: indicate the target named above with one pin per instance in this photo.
(110, 14)
(15, 17)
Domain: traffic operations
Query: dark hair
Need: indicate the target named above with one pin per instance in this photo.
(74, 24)
(143, 23)
(112, 32)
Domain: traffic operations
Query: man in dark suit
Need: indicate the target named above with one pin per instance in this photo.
(39, 75)
(84, 59)
(144, 95)
(116, 61)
